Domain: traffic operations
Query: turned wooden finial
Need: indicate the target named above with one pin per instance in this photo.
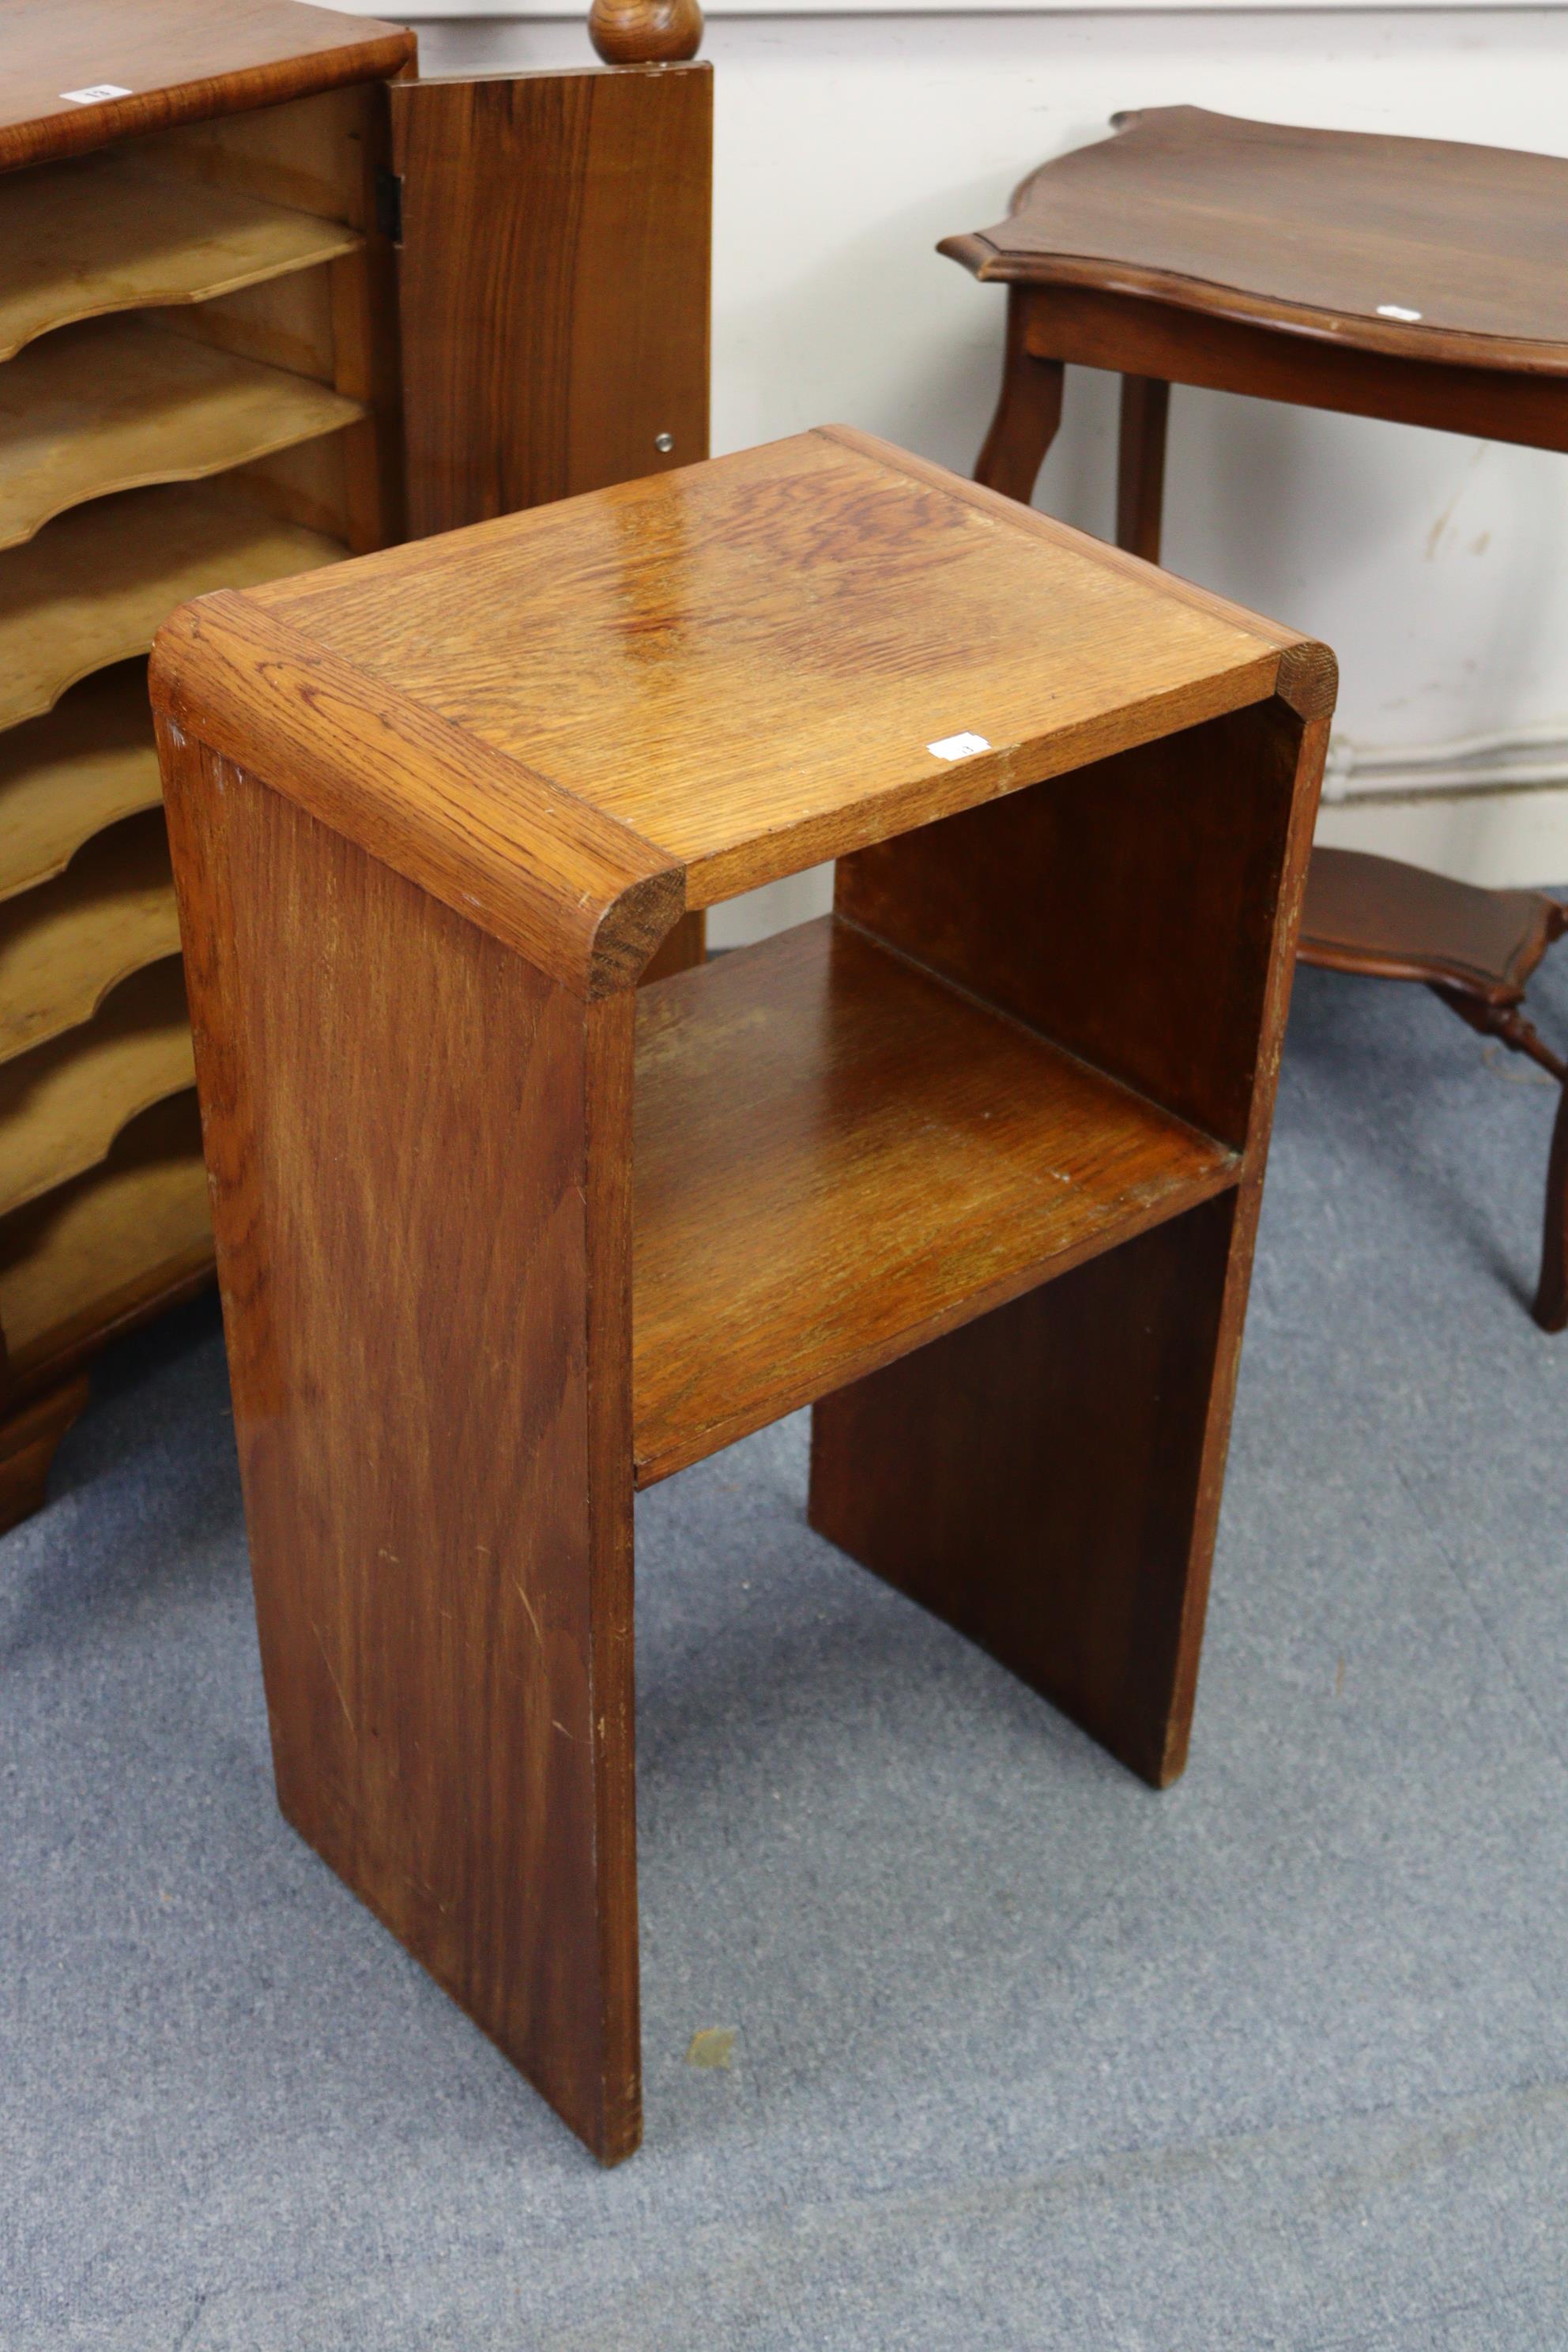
(645, 32)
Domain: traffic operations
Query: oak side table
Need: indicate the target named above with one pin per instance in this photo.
(973, 1164)
(1409, 278)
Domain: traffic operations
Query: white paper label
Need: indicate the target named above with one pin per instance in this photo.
(96, 95)
(958, 747)
(1393, 310)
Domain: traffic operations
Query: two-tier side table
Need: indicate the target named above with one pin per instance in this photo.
(973, 1165)
(1414, 279)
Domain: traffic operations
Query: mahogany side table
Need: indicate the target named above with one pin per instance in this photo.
(973, 1164)
(1408, 279)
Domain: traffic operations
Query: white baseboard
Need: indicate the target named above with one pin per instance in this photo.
(1490, 808)
(1499, 838)
(1524, 758)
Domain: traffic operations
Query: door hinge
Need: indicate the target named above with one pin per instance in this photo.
(389, 205)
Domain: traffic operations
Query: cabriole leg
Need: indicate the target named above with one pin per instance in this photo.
(1028, 412)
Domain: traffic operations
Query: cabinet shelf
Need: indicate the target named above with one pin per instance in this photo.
(63, 947)
(86, 1256)
(104, 234)
(64, 777)
(62, 1104)
(119, 404)
(838, 1157)
(95, 585)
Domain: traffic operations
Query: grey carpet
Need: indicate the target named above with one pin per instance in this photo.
(1025, 2055)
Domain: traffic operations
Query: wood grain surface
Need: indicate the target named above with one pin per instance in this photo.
(116, 403)
(430, 820)
(106, 233)
(1034, 1478)
(571, 349)
(284, 322)
(1140, 465)
(430, 1359)
(838, 1157)
(1329, 233)
(65, 945)
(66, 775)
(746, 663)
(1138, 336)
(62, 1104)
(1397, 278)
(1127, 910)
(174, 60)
(248, 137)
(92, 589)
(90, 1259)
(1394, 922)
(1049, 1478)
(28, 1443)
(583, 898)
(310, 153)
(645, 32)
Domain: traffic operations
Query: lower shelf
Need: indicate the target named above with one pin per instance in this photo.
(838, 1157)
(98, 1255)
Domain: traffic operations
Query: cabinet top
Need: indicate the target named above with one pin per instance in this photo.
(79, 75)
(719, 675)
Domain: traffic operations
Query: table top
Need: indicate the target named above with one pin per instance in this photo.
(1418, 247)
(144, 65)
(767, 660)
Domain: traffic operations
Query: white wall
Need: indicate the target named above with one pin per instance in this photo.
(848, 144)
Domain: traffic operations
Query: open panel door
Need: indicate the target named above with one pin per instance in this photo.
(556, 232)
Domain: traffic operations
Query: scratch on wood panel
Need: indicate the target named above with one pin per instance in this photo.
(331, 1675)
(532, 1619)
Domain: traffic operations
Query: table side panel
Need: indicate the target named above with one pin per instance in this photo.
(1033, 1479)
(417, 1165)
